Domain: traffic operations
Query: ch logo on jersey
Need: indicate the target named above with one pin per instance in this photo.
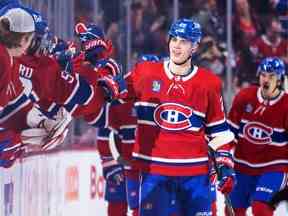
(172, 116)
(257, 133)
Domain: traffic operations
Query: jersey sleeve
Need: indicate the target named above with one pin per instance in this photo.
(92, 107)
(4, 76)
(64, 88)
(105, 117)
(215, 120)
(234, 116)
(133, 81)
(14, 103)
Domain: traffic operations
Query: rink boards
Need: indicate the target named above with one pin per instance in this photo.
(61, 183)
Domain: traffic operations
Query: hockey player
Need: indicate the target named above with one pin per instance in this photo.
(123, 124)
(17, 28)
(13, 44)
(178, 104)
(17, 111)
(259, 120)
(79, 95)
(122, 182)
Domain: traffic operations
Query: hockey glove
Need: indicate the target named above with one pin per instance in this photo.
(50, 130)
(110, 64)
(114, 87)
(226, 174)
(35, 139)
(114, 175)
(58, 125)
(93, 42)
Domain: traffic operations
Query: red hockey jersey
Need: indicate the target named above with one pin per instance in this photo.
(47, 83)
(260, 127)
(52, 87)
(175, 114)
(14, 104)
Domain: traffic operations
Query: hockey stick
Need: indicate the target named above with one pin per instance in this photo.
(227, 200)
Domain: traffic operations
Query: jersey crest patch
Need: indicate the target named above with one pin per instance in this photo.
(172, 116)
(257, 133)
(156, 86)
(248, 108)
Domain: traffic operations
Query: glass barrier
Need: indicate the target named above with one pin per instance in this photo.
(237, 34)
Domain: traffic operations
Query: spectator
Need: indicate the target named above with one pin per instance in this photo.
(270, 43)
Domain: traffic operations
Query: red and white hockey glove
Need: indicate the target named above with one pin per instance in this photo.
(107, 67)
(58, 124)
(48, 133)
(35, 139)
(114, 87)
(114, 175)
(93, 42)
(226, 174)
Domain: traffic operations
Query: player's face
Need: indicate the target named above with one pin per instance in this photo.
(24, 44)
(180, 49)
(268, 84)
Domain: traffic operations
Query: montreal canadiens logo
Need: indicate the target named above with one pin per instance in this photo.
(173, 116)
(257, 133)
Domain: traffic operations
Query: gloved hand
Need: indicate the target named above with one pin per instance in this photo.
(114, 174)
(114, 87)
(93, 42)
(109, 64)
(110, 79)
(56, 126)
(227, 179)
(9, 152)
(226, 174)
(52, 129)
(35, 139)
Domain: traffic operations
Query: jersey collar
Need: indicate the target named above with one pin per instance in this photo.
(269, 102)
(185, 77)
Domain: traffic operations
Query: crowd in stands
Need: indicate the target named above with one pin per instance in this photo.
(259, 30)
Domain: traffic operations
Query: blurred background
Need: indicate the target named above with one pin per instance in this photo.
(237, 34)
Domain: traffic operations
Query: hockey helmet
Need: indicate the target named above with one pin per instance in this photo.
(187, 29)
(272, 65)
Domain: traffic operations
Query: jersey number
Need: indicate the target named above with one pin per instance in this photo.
(66, 76)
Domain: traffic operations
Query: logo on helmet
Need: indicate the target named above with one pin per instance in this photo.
(187, 29)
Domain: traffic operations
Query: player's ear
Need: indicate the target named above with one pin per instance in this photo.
(194, 47)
